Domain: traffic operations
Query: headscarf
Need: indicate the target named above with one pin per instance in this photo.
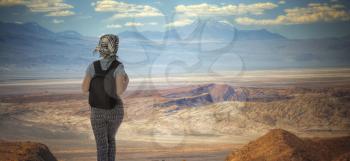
(108, 48)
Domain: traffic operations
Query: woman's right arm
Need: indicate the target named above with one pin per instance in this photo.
(86, 84)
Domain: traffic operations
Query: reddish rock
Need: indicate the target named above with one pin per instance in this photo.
(281, 145)
(24, 151)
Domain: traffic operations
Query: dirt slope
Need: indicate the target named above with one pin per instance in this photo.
(281, 145)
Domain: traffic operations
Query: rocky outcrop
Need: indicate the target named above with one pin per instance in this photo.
(198, 96)
(213, 93)
(24, 151)
(281, 145)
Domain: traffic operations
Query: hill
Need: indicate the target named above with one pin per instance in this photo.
(281, 145)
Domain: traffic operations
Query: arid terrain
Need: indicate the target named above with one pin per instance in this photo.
(196, 118)
(279, 144)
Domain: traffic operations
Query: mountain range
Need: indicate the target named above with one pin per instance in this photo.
(206, 30)
(28, 48)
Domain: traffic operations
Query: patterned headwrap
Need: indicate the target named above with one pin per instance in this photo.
(108, 45)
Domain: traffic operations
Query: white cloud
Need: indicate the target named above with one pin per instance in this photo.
(282, 2)
(133, 24)
(51, 7)
(179, 23)
(48, 5)
(314, 12)
(56, 21)
(114, 26)
(126, 10)
(205, 9)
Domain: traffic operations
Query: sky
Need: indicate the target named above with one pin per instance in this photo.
(290, 18)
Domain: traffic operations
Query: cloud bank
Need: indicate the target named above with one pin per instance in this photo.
(126, 10)
(314, 12)
(55, 8)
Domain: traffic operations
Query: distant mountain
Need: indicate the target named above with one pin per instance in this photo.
(25, 29)
(29, 45)
(29, 48)
(70, 34)
(199, 29)
(212, 29)
(205, 30)
(262, 34)
(34, 30)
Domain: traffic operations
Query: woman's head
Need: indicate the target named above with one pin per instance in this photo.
(108, 45)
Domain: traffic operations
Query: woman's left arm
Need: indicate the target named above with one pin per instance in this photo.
(122, 82)
(126, 81)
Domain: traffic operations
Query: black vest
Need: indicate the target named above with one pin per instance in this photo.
(102, 91)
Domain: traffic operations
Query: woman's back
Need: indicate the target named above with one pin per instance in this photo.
(105, 122)
(105, 63)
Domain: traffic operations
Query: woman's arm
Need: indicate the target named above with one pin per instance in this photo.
(86, 84)
(122, 82)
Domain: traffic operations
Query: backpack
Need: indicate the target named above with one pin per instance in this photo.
(102, 91)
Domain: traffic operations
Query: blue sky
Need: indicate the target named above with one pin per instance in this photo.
(293, 19)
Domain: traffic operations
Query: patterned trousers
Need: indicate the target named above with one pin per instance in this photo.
(105, 124)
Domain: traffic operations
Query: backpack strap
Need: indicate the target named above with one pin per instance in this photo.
(98, 68)
(114, 65)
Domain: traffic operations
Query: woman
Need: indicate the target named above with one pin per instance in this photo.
(105, 122)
